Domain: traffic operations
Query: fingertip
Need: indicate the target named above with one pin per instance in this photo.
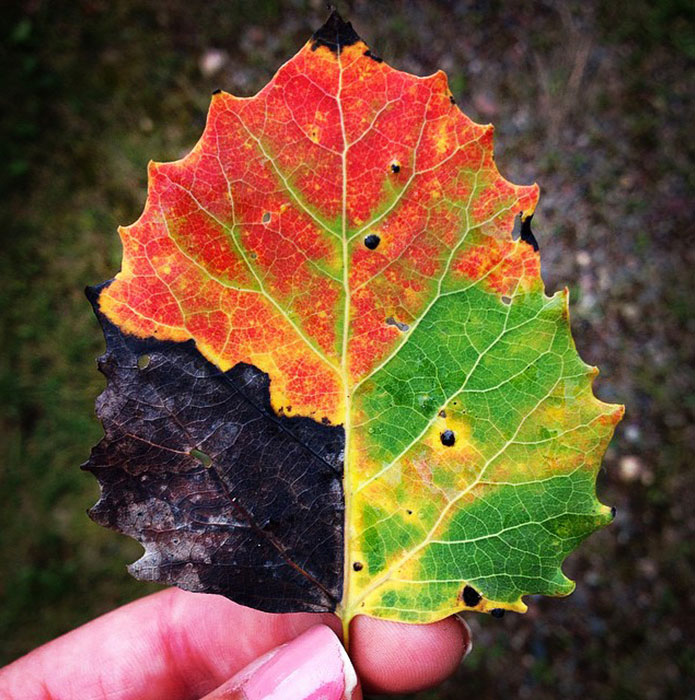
(313, 665)
(393, 657)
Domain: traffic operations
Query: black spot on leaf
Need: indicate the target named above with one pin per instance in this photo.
(448, 438)
(470, 596)
(372, 241)
(358, 566)
(369, 54)
(395, 167)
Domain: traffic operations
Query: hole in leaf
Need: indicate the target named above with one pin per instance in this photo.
(358, 566)
(266, 218)
(372, 241)
(470, 596)
(403, 327)
(203, 458)
(144, 361)
(395, 166)
(448, 438)
(506, 300)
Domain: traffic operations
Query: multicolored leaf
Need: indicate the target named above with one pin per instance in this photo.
(335, 379)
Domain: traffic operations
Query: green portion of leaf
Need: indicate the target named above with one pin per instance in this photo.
(509, 543)
(500, 500)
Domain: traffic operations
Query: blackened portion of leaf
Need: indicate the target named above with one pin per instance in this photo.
(526, 234)
(335, 34)
(225, 495)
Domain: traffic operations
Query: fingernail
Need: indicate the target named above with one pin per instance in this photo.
(469, 636)
(314, 666)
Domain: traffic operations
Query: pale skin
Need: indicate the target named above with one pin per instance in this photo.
(175, 645)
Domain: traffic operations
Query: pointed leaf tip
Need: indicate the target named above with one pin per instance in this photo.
(335, 34)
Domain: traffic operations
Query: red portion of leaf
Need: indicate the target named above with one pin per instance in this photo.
(253, 245)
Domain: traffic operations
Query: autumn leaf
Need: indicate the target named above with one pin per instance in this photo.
(335, 381)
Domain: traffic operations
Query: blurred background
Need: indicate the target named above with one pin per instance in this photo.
(594, 101)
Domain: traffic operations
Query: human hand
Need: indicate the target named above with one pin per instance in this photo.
(175, 645)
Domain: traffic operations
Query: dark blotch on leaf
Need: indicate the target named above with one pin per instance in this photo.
(497, 612)
(369, 54)
(470, 596)
(358, 566)
(526, 234)
(403, 327)
(372, 241)
(335, 34)
(448, 438)
(243, 528)
(408, 511)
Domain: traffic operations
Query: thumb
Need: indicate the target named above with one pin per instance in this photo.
(311, 666)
